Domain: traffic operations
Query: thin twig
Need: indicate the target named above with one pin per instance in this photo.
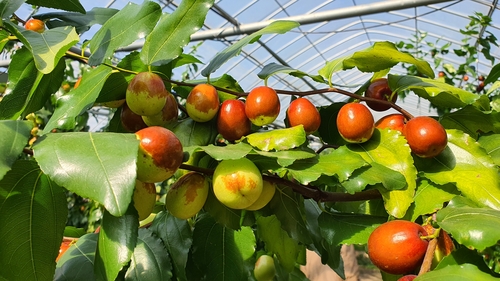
(429, 255)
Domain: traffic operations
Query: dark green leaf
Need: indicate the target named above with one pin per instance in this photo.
(161, 47)
(68, 5)
(150, 259)
(464, 272)
(78, 100)
(177, 237)
(494, 74)
(274, 68)
(229, 218)
(471, 120)
(384, 55)
(278, 139)
(117, 240)
(71, 231)
(81, 22)
(7, 8)
(463, 255)
(491, 143)
(234, 49)
(126, 26)
(15, 135)
(77, 264)
(220, 252)
(33, 213)
(465, 163)
(90, 165)
(192, 133)
(328, 128)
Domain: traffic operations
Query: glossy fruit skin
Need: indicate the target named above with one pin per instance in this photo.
(187, 196)
(130, 121)
(265, 269)
(232, 122)
(379, 89)
(202, 103)
(409, 277)
(268, 191)
(302, 112)
(237, 183)
(146, 94)
(144, 198)
(65, 244)
(396, 247)
(355, 123)
(167, 116)
(160, 154)
(426, 136)
(394, 121)
(262, 105)
(35, 25)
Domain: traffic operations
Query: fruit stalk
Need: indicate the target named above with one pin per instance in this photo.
(429, 255)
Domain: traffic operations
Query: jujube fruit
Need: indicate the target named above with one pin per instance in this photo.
(35, 25)
(232, 122)
(160, 154)
(268, 190)
(425, 136)
(131, 121)
(397, 247)
(302, 112)
(355, 123)
(262, 105)
(379, 89)
(394, 121)
(187, 195)
(409, 277)
(167, 116)
(144, 198)
(237, 183)
(146, 94)
(202, 103)
(264, 269)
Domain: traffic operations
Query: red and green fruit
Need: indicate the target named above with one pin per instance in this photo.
(146, 94)
(394, 121)
(167, 116)
(302, 112)
(131, 121)
(262, 105)
(144, 198)
(355, 123)
(65, 244)
(397, 247)
(35, 25)
(202, 103)
(264, 269)
(237, 183)
(426, 136)
(232, 122)
(160, 154)
(379, 89)
(409, 277)
(187, 195)
(268, 190)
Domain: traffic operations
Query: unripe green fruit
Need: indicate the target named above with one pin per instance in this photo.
(146, 94)
(268, 190)
(265, 269)
(237, 183)
(187, 195)
(144, 198)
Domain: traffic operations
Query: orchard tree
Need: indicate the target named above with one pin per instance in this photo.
(194, 184)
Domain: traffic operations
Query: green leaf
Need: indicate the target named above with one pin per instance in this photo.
(274, 68)
(116, 243)
(328, 128)
(430, 197)
(491, 143)
(288, 207)
(216, 250)
(68, 5)
(77, 263)
(471, 226)
(342, 228)
(75, 232)
(230, 151)
(464, 272)
(331, 67)
(81, 22)
(471, 120)
(463, 255)
(47, 47)
(7, 8)
(90, 165)
(384, 55)
(494, 74)
(33, 213)
(177, 237)
(161, 47)
(278, 139)
(234, 49)
(438, 93)
(340, 162)
(225, 216)
(131, 23)
(150, 259)
(372, 175)
(277, 241)
(192, 133)
(288, 157)
(466, 164)
(23, 80)
(15, 135)
(78, 100)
